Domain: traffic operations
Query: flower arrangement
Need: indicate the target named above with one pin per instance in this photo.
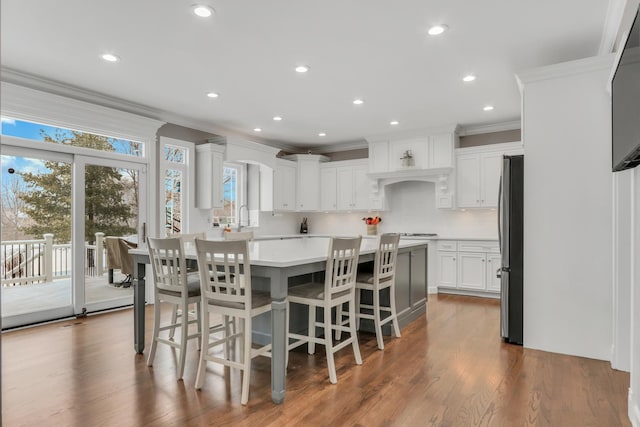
(372, 221)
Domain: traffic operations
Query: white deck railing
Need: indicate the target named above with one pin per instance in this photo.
(26, 262)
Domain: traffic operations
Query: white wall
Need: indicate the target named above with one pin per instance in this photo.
(622, 268)
(634, 389)
(567, 203)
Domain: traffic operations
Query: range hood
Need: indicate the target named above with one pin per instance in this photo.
(436, 175)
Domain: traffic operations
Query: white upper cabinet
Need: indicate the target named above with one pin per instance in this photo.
(344, 186)
(328, 188)
(429, 151)
(284, 186)
(441, 150)
(478, 171)
(379, 156)
(308, 181)
(209, 172)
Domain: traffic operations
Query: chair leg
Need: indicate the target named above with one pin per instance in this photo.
(204, 347)
(376, 318)
(311, 346)
(246, 355)
(354, 333)
(174, 320)
(338, 321)
(184, 333)
(227, 333)
(199, 323)
(392, 303)
(358, 318)
(328, 344)
(156, 332)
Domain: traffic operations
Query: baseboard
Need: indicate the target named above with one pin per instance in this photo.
(454, 291)
(634, 410)
(432, 290)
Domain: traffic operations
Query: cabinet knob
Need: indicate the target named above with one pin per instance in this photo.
(454, 259)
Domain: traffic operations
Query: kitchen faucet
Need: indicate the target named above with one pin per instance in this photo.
(240, 216)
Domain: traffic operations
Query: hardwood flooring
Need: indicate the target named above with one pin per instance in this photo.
(448, 369)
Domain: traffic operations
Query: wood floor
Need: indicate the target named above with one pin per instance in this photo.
(450, 369)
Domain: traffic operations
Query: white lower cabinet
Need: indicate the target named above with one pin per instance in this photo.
(466, 265)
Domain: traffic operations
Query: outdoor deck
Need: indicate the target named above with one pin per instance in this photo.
(42, 296)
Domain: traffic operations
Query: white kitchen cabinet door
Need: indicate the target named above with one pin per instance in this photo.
(344, 178)
(491, 166)
(209, 173)
(284, 188)
(472, 270)
(328, 188)
(361, 188)
(308, 191)
(379, 156)
(468, 180)
(447, 269)
(441, 151)
(494, 262)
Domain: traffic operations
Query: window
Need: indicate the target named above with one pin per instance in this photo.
(234, 194)
(174, 177)
(62, 136)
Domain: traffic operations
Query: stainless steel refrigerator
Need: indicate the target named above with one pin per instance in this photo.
(510, 233)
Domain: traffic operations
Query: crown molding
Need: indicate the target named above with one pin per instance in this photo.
(414, 133)
(565, 69)
(334, 148)
(490, 128)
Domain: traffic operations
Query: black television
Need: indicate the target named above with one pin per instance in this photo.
(625, 103)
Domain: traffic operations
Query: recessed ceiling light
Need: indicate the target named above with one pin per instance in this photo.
(302, 69)
(202, 11)
(469, 78)
(437, 29)
(322, 134)
(212, 95)
(277, 118)
(394, 122)
(257, 130)
(358, 101)
(110, 57)
(488, 107)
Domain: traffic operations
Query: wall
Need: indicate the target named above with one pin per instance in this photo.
(634, 388)
(568, 214)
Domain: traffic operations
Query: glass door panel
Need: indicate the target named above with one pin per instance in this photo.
(111, 224)
(36, 243)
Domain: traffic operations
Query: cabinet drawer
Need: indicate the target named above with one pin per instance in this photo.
(447, 245)
(478, 246)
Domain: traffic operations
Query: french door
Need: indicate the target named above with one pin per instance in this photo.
(58, 209)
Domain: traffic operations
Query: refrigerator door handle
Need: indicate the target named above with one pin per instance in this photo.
(499, 213)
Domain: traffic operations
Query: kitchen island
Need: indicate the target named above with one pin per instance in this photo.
(277, 264)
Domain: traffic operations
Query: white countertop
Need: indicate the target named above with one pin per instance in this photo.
(283, 252)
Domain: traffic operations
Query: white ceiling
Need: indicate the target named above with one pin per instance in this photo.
(373, 49)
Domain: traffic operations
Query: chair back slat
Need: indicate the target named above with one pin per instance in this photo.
(168, 264)
(342, 263)
(225, 272)
(386, 255)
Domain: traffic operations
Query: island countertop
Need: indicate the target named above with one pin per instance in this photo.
(288, 252)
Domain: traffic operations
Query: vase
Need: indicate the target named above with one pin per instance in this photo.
(372, 229)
